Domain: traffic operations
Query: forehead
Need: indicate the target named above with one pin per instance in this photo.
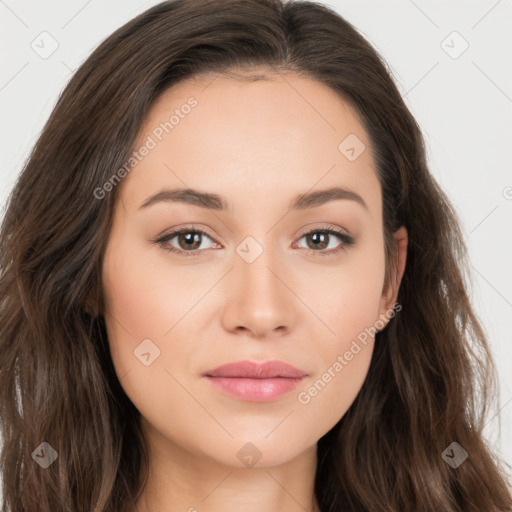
(252, 139)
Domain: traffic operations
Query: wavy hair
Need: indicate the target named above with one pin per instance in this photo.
(431, 377)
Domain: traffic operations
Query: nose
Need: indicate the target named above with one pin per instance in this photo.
(260, 301)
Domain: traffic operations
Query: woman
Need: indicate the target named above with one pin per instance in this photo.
(170, 338)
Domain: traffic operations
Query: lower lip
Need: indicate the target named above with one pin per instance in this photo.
(255, 390)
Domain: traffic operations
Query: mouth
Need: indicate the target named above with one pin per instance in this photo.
(255, 382)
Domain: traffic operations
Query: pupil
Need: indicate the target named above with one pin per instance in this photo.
(191, 238)
(319, 239)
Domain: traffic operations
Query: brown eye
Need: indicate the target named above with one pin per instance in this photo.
(188, 241)
(319, 240)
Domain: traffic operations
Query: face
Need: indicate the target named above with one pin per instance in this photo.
(269, 269)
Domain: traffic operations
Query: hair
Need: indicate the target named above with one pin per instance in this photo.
(431, 377)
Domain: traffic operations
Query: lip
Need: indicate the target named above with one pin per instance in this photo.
(256, 382)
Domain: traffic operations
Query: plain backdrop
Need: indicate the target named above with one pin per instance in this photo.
(451, 61)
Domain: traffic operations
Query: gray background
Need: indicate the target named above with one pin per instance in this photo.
(461, 99)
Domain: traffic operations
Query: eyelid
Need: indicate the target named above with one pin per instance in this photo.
(185, 227)
(163, 239)
(346, 240)
(316, 226)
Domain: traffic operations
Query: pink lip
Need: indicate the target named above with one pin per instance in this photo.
(255, 382)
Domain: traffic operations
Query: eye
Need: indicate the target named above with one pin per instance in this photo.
(188, 240)
(319, 239)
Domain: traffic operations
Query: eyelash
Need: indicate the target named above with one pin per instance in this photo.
(346, 240)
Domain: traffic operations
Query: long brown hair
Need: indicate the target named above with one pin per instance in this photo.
(431, 378)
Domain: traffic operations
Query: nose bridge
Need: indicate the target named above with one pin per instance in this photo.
(259, 300)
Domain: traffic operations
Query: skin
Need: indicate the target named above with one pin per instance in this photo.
(259, 145)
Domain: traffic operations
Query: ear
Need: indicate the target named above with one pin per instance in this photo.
(390, 292)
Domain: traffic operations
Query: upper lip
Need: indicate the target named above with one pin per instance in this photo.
(253, 370)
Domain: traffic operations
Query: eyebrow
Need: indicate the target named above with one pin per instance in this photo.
(217, 202)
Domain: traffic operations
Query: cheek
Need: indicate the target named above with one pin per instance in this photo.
(144, 294)
(348, 305)
(342, 359)
(346, 297)
(327, 396)
(144, 301)
(136, 308)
